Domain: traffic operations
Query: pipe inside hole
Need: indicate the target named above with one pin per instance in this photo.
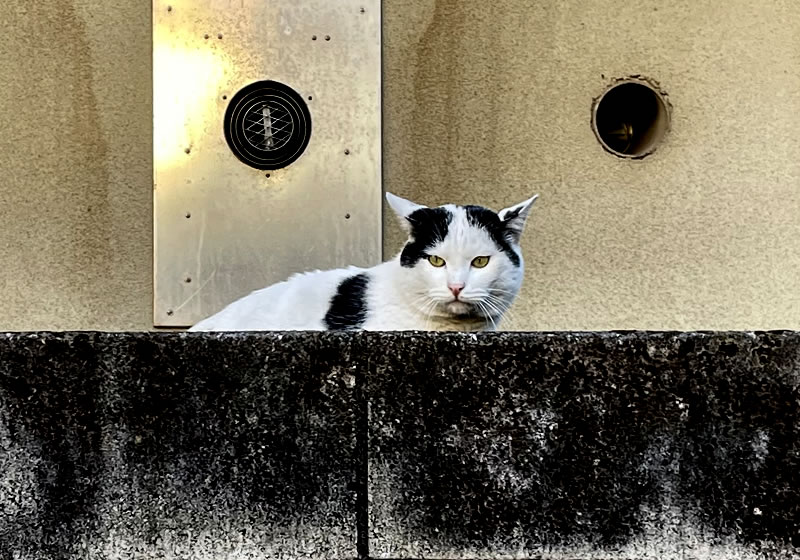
(630, 119)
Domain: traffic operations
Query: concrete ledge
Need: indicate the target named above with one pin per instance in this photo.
(388, 445)
(170, 446)
(586, 446)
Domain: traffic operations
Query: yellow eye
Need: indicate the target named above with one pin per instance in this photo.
(480, 262)
(436, 261)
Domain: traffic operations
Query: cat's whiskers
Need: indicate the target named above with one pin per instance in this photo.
(425, 304)
(502, 307)
(502, 303)
(486, 313)
(505, 300)
(495, 308)
(429, 314)
(421, 302)
(484, 295)
(499, 317)
(501, 291)
(491, 308)
(442, 299)
(421, 297)
(497, 294)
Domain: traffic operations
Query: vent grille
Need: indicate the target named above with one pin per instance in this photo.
(267, 125)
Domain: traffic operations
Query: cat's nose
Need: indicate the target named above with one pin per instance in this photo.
(456, 288)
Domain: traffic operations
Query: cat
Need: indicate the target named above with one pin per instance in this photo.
(460, 270)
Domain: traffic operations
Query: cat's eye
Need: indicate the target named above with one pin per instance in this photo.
(436, 261)
(480, 262)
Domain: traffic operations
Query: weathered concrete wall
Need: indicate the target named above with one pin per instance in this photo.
(142, 447)
(191, 446)
(485, 102)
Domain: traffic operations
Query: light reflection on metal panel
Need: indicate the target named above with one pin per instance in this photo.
(223, 228)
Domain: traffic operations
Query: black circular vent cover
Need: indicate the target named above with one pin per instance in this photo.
(267, 125)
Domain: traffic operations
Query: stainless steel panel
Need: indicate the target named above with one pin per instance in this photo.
(223, 229)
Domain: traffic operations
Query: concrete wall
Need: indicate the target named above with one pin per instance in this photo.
(485, 102)
(317, 446)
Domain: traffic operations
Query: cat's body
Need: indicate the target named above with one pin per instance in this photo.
(459, 271)
(367, 299)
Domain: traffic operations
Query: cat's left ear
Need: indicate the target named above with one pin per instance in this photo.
(403, 208)
(514, 217)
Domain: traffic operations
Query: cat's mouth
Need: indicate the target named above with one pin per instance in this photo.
(461, 308)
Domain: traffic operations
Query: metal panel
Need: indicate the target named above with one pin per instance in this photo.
(222, 228)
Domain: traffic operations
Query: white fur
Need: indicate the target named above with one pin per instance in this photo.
(398, 298)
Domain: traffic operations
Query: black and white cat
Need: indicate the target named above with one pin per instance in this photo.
(460, 270)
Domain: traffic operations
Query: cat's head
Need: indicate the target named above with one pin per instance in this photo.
(463, 261)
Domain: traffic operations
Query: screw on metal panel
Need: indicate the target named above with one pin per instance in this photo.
(347, 216)
(170, 312)
(347, 152)
(205, 36)
(267, 175)
(327, 37)
(188, 150)
(188, 280)
(313, 37)
(224, 97)
(188, 215)
(219, 36)
(362, 10)
(310, 98)
(169, 8)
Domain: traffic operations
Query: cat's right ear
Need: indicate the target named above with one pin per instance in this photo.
(403, 208)
(514, 217)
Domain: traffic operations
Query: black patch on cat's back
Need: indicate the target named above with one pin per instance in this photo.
(348, 307)
(481, 217)
(429, 226)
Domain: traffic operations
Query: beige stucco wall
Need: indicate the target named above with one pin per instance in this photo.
(75, 162)
(485, 102)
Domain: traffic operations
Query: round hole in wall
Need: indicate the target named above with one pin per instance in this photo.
(267, 125)
(631, 118)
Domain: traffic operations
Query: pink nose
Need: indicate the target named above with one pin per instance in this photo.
(456, 288)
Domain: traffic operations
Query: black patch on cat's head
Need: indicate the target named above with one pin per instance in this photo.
(481, 217)
(348, 307)
(429, 226)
